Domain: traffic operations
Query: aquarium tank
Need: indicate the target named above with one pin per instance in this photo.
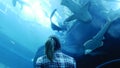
(89, 31)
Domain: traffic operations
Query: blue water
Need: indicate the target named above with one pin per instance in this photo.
(25, 26)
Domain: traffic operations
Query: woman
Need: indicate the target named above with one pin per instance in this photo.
(53, 57)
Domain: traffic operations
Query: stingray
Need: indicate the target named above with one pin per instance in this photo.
(54, 26)
(80, 13)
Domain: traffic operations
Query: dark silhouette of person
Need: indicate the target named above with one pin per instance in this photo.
(54, 58)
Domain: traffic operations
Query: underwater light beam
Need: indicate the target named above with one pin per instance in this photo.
(118, 5)
(36, 12)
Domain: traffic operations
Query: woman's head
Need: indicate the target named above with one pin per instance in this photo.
(52, 45)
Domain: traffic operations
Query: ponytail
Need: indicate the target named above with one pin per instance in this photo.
(52, 45)
(49, 49)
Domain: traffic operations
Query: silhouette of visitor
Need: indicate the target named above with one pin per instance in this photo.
(53, 57)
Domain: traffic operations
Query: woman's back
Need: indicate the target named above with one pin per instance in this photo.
(60, 61)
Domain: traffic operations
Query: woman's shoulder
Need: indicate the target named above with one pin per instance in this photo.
(63, 55)
(67, 56)
(40, 59)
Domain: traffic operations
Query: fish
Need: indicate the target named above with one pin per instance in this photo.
(54, 26)
(97, 40)
(14, 2)
(80, 13)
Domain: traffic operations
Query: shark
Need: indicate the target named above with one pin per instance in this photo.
(97, 40)
(54, 26)
(80, 13)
